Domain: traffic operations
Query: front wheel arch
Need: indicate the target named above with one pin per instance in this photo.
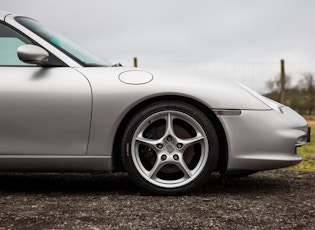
(223, 147)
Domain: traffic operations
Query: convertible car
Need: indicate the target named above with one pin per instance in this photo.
(64, 109)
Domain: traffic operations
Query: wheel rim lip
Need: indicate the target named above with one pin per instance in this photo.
(162, 182)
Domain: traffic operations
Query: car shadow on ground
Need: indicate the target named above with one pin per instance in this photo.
(120, 183)
(65, 183)
(253, 184)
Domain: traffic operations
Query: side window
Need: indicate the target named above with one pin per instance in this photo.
(10, 40)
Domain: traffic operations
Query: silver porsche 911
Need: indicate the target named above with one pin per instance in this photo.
(63, 109)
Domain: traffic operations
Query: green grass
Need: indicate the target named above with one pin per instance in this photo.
(308, 153)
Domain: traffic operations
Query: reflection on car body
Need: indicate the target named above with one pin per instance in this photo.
(64, 109)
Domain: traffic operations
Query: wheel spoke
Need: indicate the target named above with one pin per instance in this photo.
(148, 142)
(156, 168)
(181, 164)
(169, 129)
(191, 141)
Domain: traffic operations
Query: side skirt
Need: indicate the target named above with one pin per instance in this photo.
(18, 163)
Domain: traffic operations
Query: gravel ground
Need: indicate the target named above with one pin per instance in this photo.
(268, 200)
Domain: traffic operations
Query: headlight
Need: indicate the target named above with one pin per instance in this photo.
(271, 103)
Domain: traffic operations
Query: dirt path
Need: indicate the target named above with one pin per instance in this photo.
(269, 200)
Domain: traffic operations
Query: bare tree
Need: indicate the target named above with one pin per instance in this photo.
(306, 85)
(274, 85)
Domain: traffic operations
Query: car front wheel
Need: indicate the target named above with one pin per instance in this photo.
(169, 148)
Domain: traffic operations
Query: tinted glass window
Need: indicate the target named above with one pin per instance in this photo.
(81, 55)
(10, 40)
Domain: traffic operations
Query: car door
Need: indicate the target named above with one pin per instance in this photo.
(43, 110)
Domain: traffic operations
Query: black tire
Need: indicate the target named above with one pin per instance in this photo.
(169, 148)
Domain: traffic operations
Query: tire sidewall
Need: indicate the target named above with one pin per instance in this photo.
(197, 115)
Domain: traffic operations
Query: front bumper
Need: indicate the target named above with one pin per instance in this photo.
(264, 139)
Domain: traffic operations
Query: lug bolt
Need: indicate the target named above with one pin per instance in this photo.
(169, 138)
(179, 145)
(176, 157)
(163, 157)
(159, 146)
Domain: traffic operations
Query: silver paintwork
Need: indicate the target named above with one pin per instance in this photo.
(261, 140)
(135, 77)
(3, 14)
(110, 91)
(44, 111)
(66, 118)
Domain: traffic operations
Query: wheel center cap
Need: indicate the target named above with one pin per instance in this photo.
(169, 148)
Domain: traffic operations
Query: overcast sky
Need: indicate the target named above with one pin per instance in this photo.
(197, 30)
(189, 32)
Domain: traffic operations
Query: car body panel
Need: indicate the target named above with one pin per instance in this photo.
(113, 99)
(252, 144)
(3, 14)
(67, 118)
(44, 111)
(55, 163)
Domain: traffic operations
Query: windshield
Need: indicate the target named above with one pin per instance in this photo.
(81, 55)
